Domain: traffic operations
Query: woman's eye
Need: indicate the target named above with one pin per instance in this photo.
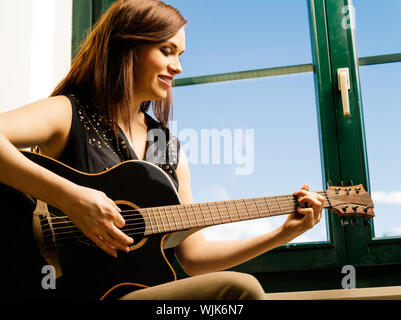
(165, 51)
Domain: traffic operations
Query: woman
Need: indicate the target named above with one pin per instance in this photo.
(96, 117)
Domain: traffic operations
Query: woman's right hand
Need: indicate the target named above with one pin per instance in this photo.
(98, 217)
(44, 123)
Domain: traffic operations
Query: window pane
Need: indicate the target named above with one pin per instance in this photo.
(378, 25)
(381, 98)
(278, 116)
(226, 36)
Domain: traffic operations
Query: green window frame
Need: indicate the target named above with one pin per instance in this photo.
(85, 13)
(317, 265)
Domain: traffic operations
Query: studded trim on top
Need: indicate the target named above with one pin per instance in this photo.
(101, 135)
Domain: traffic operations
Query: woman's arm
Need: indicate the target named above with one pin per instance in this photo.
(197, 255)
(47, 123)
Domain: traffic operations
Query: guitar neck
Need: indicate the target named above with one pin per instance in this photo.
(190, 216)
(348, 201)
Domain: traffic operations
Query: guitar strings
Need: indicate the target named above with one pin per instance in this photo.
(288, 199)
(139, 227)
(148, 219)
(195, 209)
(76, 234)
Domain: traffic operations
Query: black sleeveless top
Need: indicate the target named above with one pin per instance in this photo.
(92, 146)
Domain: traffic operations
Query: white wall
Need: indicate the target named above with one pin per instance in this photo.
(35, 49)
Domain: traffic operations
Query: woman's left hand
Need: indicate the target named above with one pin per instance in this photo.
(305, 218)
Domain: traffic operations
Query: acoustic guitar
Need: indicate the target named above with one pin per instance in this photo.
(37, 235)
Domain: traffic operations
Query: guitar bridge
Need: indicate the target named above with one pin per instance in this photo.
(47, 233)
(44, 235)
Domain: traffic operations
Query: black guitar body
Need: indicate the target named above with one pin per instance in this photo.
(87, 272)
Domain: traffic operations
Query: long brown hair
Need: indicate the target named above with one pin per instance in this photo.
(105, 68)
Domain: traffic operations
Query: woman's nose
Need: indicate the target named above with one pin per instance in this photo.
(176, 68)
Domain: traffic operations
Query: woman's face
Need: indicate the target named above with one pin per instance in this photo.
(159, 64)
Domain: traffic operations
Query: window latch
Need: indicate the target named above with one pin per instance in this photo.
(344, 87)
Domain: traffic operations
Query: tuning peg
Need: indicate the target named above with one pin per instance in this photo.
(354, 221)
(366, 222)
(344, 222)
(349, 183)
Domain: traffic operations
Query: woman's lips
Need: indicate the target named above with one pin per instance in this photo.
(165, 80)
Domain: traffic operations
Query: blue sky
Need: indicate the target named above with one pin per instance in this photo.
(225, 36)
(378, 31)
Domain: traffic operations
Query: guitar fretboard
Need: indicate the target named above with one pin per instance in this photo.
(183, 217)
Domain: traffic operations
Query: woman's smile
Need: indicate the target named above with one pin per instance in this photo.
(166, 80)
(160, 63)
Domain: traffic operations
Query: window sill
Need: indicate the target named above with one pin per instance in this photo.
(377, 293)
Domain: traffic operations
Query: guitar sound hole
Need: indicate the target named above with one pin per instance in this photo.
(134, 221)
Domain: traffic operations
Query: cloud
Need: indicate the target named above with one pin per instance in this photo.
(305, 238)
(248, 229)
(397, 231)
(394, 232)
(238, 230)
(212, 193)
(388, 197)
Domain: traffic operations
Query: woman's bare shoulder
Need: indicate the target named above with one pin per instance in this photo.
(37, 123)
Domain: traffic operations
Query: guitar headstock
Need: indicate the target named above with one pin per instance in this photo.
(350, 201)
